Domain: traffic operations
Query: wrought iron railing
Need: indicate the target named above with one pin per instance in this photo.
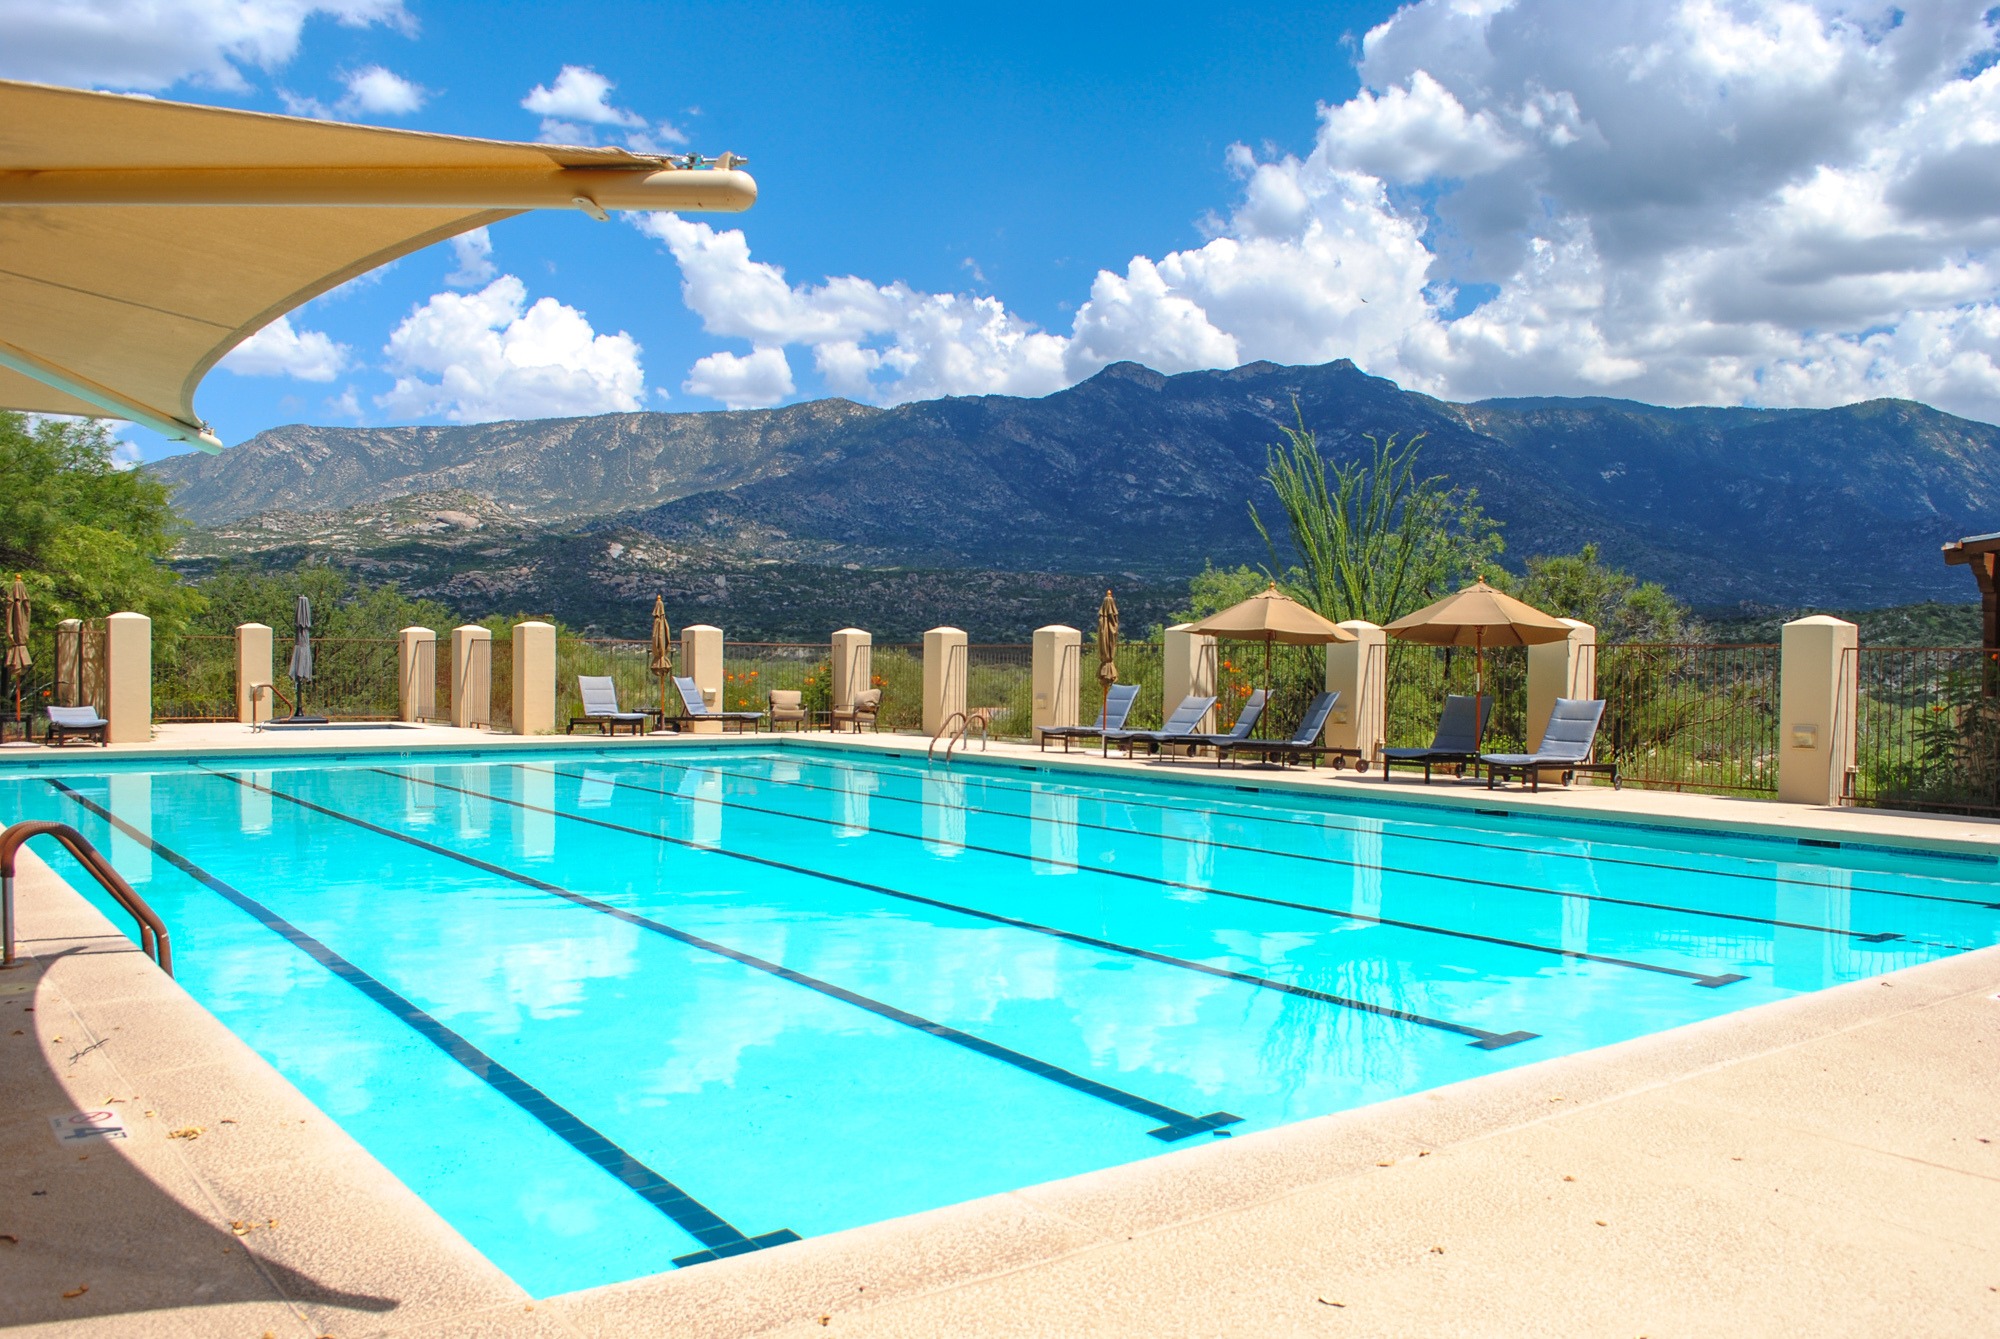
(628, 663)
(1417, 679)
(1691, 717)
(751, 670)
(354, 678)
(1927, 729)
(194, 678)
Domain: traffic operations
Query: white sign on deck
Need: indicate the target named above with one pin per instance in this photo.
(84, 1126)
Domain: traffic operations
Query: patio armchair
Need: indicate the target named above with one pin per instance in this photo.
(788, 708)
(694, 707)
(1566, 746)
(1178, 728)
(1460, 726)
(1118, 702)
(862, 711)
(1304, 742)
(600, 707)
(77, 722)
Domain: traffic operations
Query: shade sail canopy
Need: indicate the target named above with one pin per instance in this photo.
(1272, 616)
(1479, 616)
(142, 240)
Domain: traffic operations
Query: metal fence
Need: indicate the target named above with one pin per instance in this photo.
(1927, 729)
(354, 679)
(1000, 679)
(899, 673)
(194, 679)
(628, 664)
(1690, 717)
(751, 670)
(1419, 678)
(500, 707)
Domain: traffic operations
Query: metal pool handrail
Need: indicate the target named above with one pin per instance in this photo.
(153, 938)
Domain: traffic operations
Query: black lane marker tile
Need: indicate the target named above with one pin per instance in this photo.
(1136, 801)
(1176, 1124)
(716, 1234)
(1861, 936)
(1485, 1040)
(1576, 955)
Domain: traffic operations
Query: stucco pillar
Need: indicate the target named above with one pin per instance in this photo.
(471, 676)
(701, 653)
(944, 676)
(1055, 677)
(1189, 672)
(1816, 705)
(1355, 671)
(253, 668)
(128, 678)
(853, 658)
(534, 678)
(1560, 669)
(416, 674)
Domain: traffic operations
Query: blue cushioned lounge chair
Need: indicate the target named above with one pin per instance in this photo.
(600, 707)
(1460, 726)
(1304, 742)
(694, 707)
(1118, 700)
(1566, 746)
(1179, 726)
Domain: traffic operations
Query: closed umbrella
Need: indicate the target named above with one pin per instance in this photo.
(302, 657)
(1271, 616)
(18, 658)
(1479, 616)
(1107, 643)
(662, 663)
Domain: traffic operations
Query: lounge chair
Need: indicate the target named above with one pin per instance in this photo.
(1460, 727)
(80, 722)
(694, 707)
(1304, 743)
(788, 708)
(862, 711)
(600, 707)
(1178, 728)
(1118, 701)
(1566, 746)
(1246, 721)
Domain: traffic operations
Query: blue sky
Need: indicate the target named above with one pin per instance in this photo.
(1687, 201)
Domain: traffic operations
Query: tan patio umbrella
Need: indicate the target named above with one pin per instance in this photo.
(18, 658)
(144, 239)
(1271, 616)
(662, 663)
(1479, 616)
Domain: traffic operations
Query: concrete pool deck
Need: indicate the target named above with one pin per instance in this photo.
(1827, 1164)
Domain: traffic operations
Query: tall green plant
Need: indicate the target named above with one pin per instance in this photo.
(1373, 540)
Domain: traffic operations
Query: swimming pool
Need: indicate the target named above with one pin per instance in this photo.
(613, 1010)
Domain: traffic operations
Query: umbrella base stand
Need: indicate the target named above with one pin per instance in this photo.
(296, 719)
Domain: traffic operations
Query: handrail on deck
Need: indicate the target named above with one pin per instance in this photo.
(153, 938)
(965, 721)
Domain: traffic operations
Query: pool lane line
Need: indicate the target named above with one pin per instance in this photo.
(717, 1235)
(1711, 980)
(1175, 1124)
(1860, 936)
(1000, 784)
(1485, 1040)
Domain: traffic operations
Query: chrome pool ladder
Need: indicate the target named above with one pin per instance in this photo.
(153, 938)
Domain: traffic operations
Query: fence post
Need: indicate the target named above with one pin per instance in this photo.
(253, 670)
(1054, 677)
(853, 658)
(471, 676)
(1356, 671)
(1560, 669)
(1816, 706)
(944, 677)
(128, 678)
(416, 674)
(1189, 671)
(701, 653)
(534, 678)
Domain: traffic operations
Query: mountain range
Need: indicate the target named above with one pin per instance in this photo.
(1131, 478)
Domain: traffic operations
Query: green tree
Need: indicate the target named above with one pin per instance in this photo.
(1622, 608)
(343, 605)
(87, 537)
(1372, 539)
(1214, 589)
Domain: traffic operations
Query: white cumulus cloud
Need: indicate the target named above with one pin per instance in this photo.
(477, 357)
(472, 254)
(578, 103)
(382, 92)
(1688, 201)
(763, 377)
(280, 350)
(154, 44)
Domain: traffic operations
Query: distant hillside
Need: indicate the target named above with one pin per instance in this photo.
(1138, 473)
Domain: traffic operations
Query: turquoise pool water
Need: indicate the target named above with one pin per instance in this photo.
(610, 1011)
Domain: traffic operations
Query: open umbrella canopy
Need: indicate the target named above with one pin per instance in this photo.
(1107, 640)
(18, 610)
(145, 239)
(1272, 616)
(1479, 616)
